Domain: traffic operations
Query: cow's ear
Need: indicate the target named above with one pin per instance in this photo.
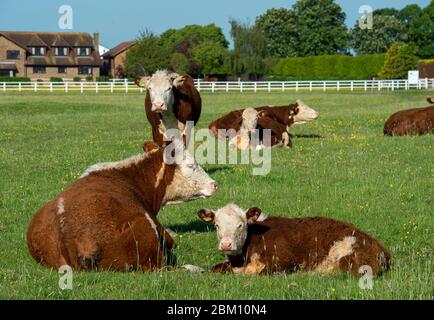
(179, 81)
(143, 82)
(206, 216)
(150, 147)
(253, 214)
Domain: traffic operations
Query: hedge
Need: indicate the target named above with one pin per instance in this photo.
(14, 79)
(330, 67)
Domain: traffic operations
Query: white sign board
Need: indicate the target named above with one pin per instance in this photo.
(413, 77)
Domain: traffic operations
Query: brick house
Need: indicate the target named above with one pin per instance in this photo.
(41, 55)
(114, 60)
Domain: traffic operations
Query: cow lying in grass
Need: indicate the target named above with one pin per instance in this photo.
(297, 113)
(256, 244)
(107, 218)
(255, 122)
(411, 122)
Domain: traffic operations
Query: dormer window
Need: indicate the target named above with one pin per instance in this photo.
(38, 51)
(83, 52)
(61, 52)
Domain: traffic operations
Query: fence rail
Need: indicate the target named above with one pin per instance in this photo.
(222, 86)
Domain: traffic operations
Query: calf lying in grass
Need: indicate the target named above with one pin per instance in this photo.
(107, 219)
(256, 244)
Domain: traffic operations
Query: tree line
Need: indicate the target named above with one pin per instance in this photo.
(308, 28)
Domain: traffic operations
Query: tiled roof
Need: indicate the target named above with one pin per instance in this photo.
(113, 52)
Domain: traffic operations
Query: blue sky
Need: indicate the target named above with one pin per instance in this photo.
(122, 20)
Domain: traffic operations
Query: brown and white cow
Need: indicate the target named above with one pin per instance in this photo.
(255, 122)
(257, 244)
(107, 218)
(411, 122)
(297, 113)
(171, 101)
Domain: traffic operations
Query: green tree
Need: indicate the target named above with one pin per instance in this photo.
(399, 60)
(421, 35)
(391, 12)
(386, 31)
(147, 56)
(409, 14)
(321, 27)
(249, 56)
(210, 57)
(278, 26)
(180, 63)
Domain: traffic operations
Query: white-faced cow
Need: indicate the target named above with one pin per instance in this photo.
(107, 219)
(171, 101)
(257, 244)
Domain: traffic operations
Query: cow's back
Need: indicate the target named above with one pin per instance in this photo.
(410, 122)
(304, 243)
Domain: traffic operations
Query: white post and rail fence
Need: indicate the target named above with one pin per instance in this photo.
(224, 86)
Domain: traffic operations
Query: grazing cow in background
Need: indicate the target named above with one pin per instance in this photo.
(411, 122)
(253, 121)
(107, 218)
(171, 101)
(257, 244)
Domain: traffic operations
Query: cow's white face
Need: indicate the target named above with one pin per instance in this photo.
(190, 180)
(160, 87)
(231, 223)
(250, 119)
(305, 113)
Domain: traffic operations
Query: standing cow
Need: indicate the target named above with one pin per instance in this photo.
(257, 244)
(411, 122)
(107, 219)
(171, 101)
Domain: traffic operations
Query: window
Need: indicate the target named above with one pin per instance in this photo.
(61, 70)
(83, 52)
(39, 69)
(12, 54)
(61, 52)
(84, 70)
(38, 51)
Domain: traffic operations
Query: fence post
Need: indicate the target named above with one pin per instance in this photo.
(19, 86)
(126, 87)
(366, 85)
(296, 86)
(111, 87)
(269, 86)
(310, 85)
(426, 83)
(338, 85)
(81, 87)
(241, 87)
(324, 86)
(283, 86)
(51, 87)
(393, 85)
(379, 85)
(213, 87)
(96, 87)
(227, 86)
(4, 86)
(198, 85)
(66, 86)
(35, 88)
(255, 87)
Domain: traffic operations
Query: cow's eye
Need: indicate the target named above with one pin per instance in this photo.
(240, 225)
(217, 226)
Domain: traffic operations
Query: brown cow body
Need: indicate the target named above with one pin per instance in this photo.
(107, 218)
(411, 122)
(278, 244)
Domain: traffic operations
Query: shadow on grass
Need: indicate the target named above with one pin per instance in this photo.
(308, 136)
(196, 226)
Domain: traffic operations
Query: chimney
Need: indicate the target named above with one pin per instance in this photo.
(96, 41)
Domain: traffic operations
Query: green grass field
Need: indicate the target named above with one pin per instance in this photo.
(383, 185)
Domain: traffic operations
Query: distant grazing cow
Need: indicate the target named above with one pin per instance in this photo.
(107, 218)
(411, 122)
(254, 122)
(171, 101)
(257, 244)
